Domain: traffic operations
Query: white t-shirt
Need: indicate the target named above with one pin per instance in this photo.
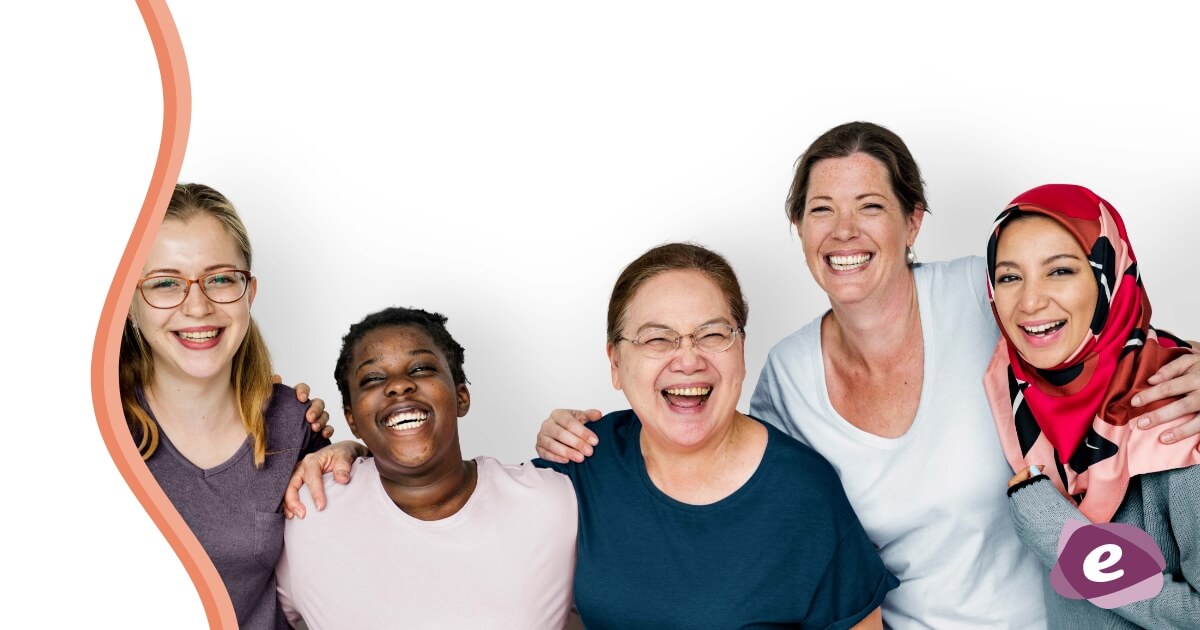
(933, 500)
(505, 560)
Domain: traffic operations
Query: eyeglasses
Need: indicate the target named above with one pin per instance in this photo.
(221, 287)
(659, 343)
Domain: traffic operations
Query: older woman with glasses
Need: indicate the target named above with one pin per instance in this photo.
(691, 514)
(196, 387)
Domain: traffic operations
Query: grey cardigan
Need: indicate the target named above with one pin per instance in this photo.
(1166, 505)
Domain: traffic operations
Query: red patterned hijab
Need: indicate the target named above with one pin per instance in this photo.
(1076, 416)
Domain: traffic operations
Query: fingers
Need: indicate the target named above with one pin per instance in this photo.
(1183, 383)
(277, 379)
(563, 436)
(302, 391)
(1023, 475)
(1174, 369)
(572, 420)
(312, 470)
(316, 415)
(342, 462)
(292, 506)
(327, 431)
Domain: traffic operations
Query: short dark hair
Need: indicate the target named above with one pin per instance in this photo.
(675, 257)
(861, 137)
(434, 325)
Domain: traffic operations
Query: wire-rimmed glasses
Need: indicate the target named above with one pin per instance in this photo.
(220, 287)
(658, 343)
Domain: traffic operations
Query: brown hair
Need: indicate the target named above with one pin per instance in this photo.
(675, 257)
(251, 375)
(860, 137)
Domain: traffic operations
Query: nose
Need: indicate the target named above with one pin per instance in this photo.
(687, 357)
(195, 303)
(845, 225)
(400, 386)
(1032, 296)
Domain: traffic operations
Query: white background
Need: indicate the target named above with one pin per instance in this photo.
(500, 163)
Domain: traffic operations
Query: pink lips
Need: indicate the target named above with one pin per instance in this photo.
(202, 344)
(1044, 340)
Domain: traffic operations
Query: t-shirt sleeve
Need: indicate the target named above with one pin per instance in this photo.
(283, 588)
(764, 403)
(854, 581)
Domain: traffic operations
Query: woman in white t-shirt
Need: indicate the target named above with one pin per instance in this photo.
(887, 385)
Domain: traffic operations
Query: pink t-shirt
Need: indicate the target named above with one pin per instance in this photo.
(505, 560)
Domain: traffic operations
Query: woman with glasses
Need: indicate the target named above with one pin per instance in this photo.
(196, 387)
(691, 514)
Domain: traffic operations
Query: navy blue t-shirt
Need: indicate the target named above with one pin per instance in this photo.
(784, 550)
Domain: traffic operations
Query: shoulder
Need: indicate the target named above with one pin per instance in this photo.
(799, 458)
(802, 340)
(286, 426)
(963, 272)
(526, 479)
(340, 497)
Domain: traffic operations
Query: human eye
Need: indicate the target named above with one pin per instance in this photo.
(422, 369)
(872, 207)
(820, 210)
(370, 379)
(223, 279)
(658, 339)
(162, 283)
(1006, 278)
(713, 337)
(1063, 271)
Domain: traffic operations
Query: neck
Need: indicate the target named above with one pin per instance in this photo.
(875, 328)
(436, 495)
(669, 461)
(194, 402)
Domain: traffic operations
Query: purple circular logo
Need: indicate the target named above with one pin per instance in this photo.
(1108, 564)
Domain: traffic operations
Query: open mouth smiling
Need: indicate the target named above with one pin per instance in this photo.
(405, 419)
(848, 263)
(1042, 330)
(686, 397)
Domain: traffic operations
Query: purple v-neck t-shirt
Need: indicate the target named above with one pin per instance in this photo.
(235, 509)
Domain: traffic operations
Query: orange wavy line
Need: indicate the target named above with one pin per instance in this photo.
(177, 114)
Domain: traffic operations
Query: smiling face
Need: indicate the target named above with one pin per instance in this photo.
(404, 404)
(1045, 291)
(197, 339)
(682, 399)
(854, 230)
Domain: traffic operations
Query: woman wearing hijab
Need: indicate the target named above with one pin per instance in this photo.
(1077, 346)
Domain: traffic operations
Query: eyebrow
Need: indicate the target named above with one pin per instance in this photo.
(858, 198)
(657, 326)
(373, 360)
(1047, 261)
(206, 271)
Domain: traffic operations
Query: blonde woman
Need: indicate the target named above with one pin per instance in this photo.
(197, 390)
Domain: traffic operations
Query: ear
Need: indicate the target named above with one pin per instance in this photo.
(611, 350)
(251, 290)
(350, 421)
(464, 399)
(914, 223)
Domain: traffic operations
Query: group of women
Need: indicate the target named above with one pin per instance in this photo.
(889, 506)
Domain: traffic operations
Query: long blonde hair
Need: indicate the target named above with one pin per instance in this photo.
(251, 374)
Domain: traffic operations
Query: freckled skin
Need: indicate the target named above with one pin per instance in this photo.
(851, 209)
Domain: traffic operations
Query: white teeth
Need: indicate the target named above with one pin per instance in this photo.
(406, 419)
(688, 391)
(198, 336)
(1034, 330)
(843, 263)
